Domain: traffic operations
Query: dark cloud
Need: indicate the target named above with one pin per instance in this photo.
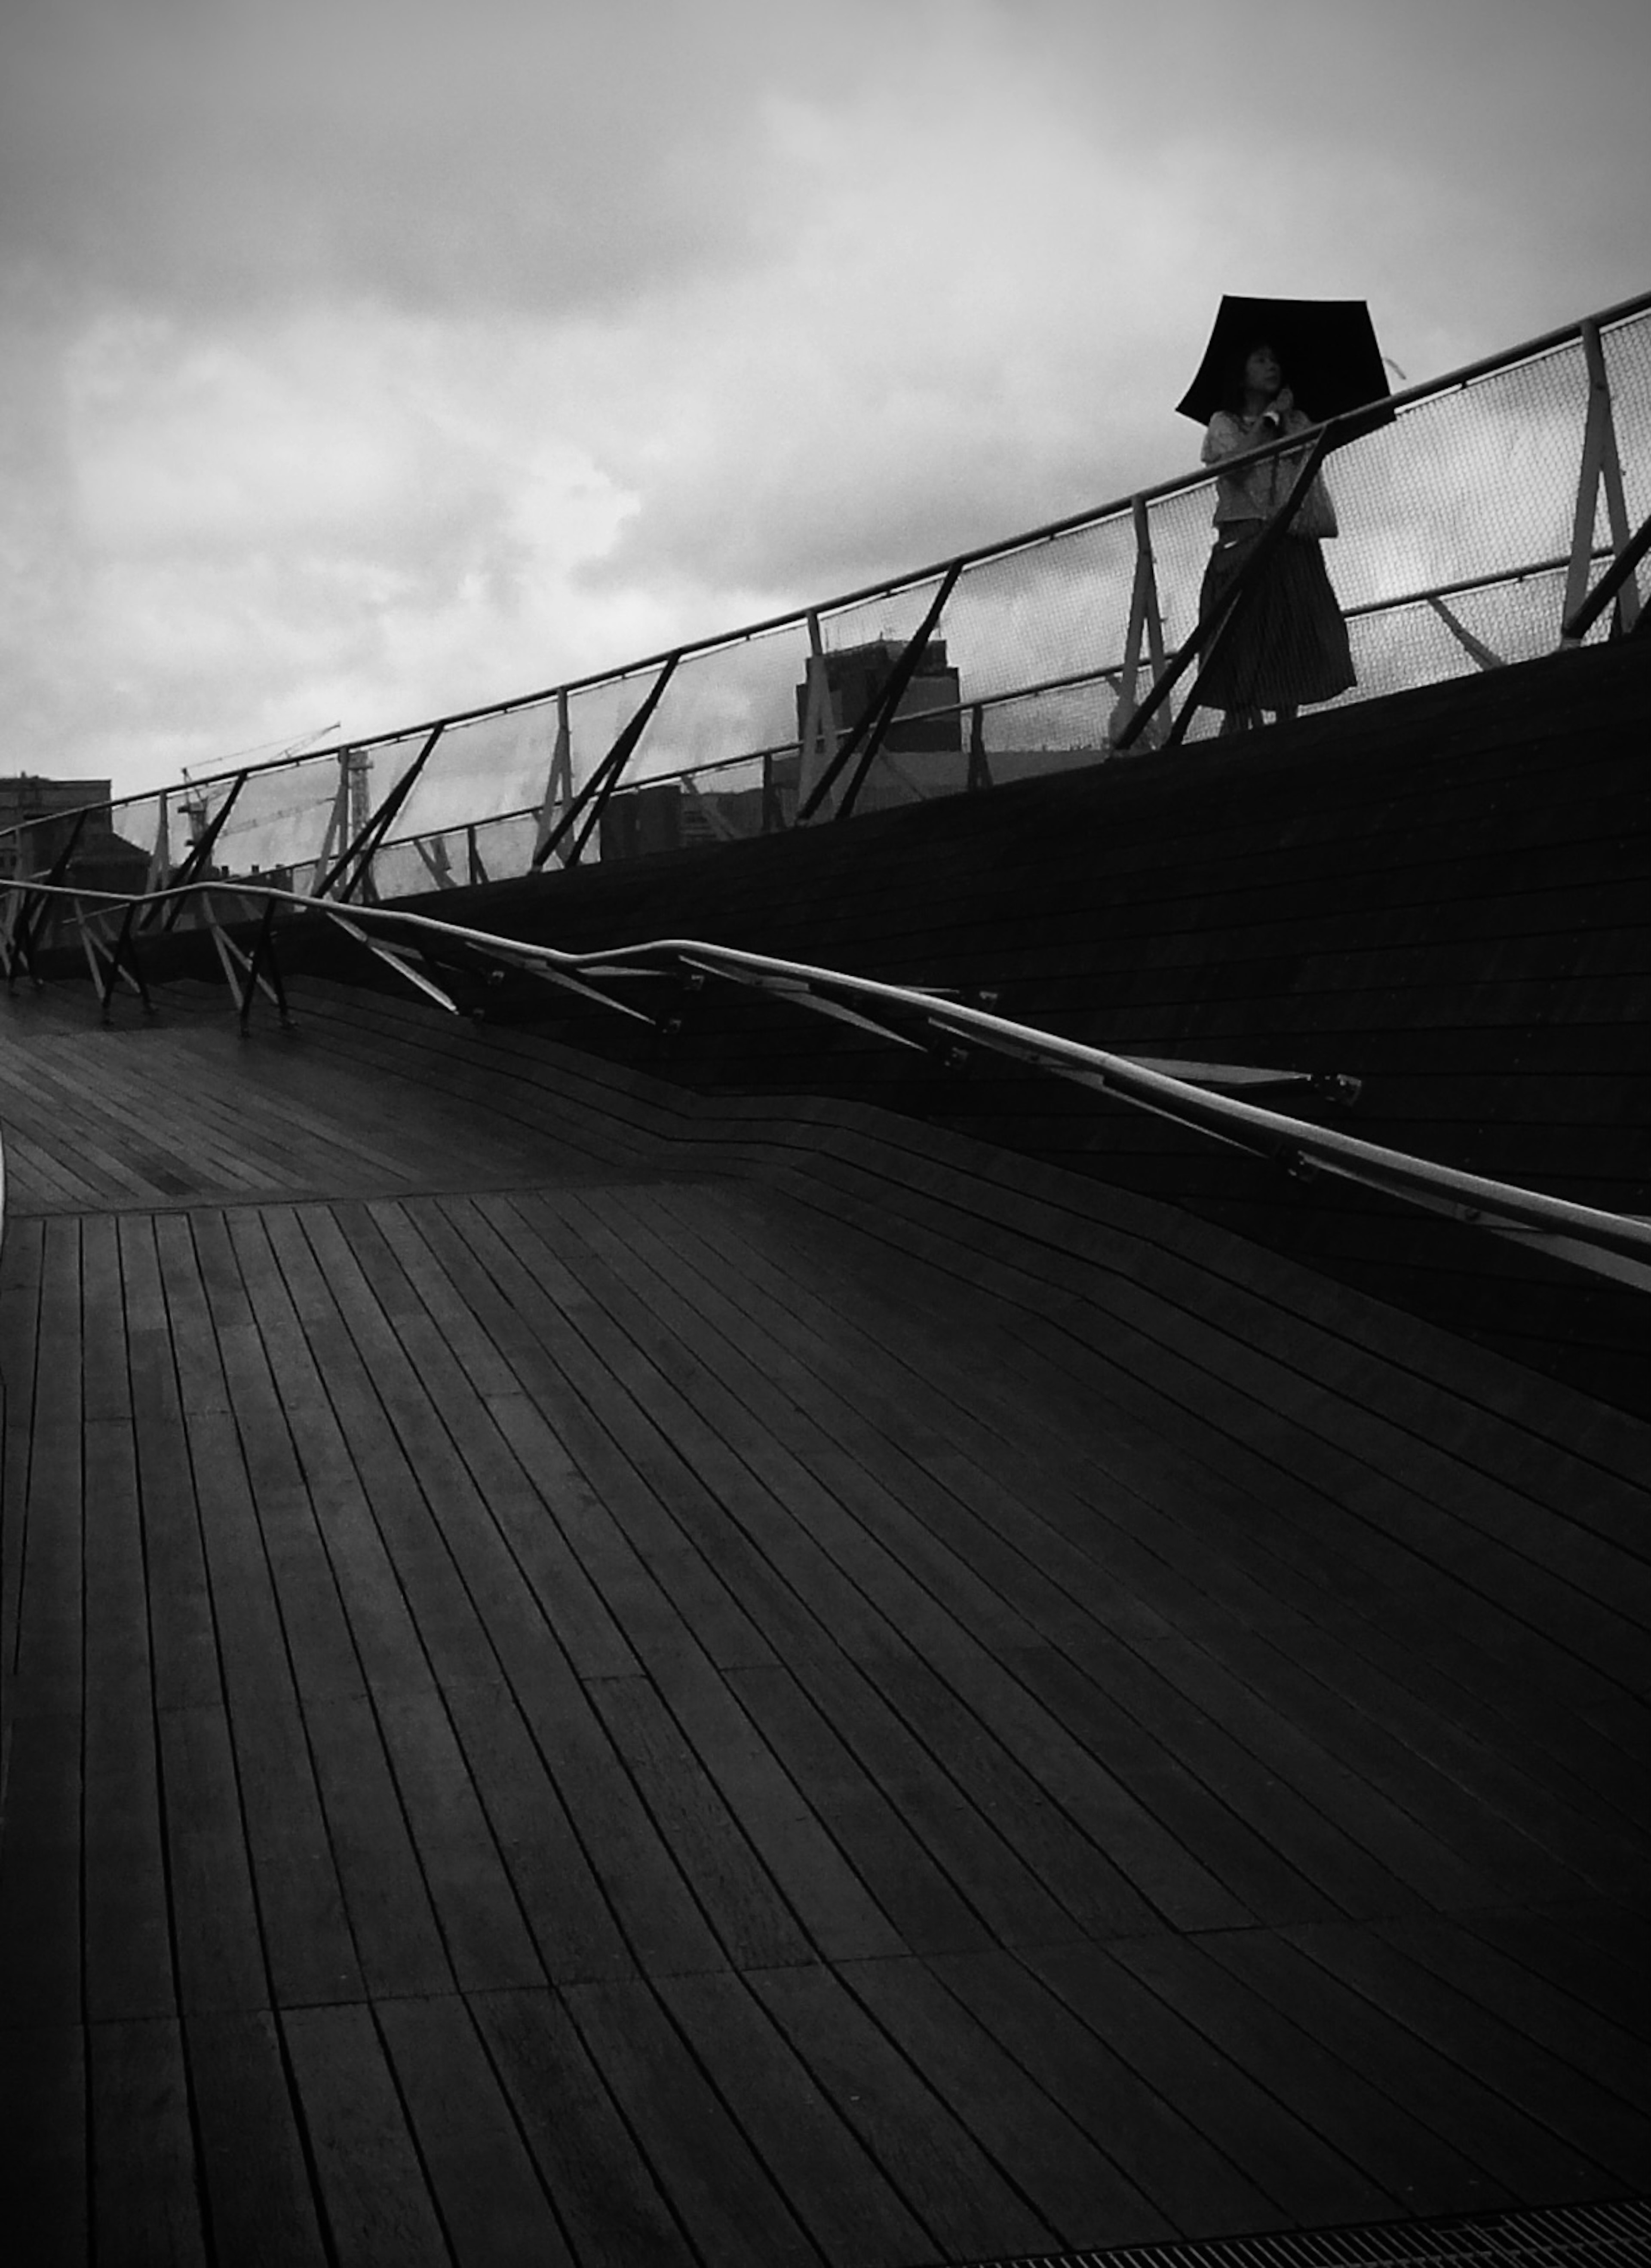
(531, 155)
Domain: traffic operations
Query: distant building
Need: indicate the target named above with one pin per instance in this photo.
(40, 818)
(858, 676)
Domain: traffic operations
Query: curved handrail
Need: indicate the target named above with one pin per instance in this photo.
(1614, 1244)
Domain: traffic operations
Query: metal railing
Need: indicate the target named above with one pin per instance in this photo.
(1473, 520)
(1207, 1099)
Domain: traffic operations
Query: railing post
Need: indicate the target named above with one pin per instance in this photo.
(822, 732)
(437, 860)
(586, 807)
(1146, 624)
(206, 832)
(558, 787)
(352, 870)
(160, 857)
(1601, 466)
(866, 739)
(338, 828)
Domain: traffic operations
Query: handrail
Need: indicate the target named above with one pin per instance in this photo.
(907, 580)
(1068, 682)
(1613, 1244)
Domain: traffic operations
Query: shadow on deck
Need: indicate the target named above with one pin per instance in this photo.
(599, 1674)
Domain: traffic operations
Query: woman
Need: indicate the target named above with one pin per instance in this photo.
(1288, 643)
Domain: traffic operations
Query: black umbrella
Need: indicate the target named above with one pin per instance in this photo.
(1327, 348)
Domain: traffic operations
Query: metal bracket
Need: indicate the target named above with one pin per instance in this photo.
(1485, 655)
(1601, 468)
(799, 992)
(243, 972)
(587, 807)
(398, 961)
(116, 964)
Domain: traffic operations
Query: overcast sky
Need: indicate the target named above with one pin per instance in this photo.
(369, 358)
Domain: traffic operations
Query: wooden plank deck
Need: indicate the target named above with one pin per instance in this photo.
(593, 1675)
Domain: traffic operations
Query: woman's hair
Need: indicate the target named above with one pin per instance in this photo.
(1234, 383)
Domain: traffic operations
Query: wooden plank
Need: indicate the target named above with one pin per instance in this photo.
(373, 2189)
(182, 1635)
(1092, 1879)
(966, 1843)
(588, 2160)
(1079, 2187)
(1603, 2133)
(451, 1632)
(1174, 1492)
(492, 1519)
(742, 1901)
(850, 2208)
(1557, 1946)
(215, 1919)
(487, 1937)
(41, 1870)
(145, 2197)
(1197, 2190)
(305, 1936)
(430, 1323)
(128, 1949)
(480, 2170)
(572, 1923)
(325, 1664)
(1307, 2180)
(44, 2193)
(928, 1910)
(661, 1920)
(1380, 1823)
(1521, 2157)
(842, 1921)
(202, 1390)
(19, 1334)
(252, 2156)
(47, 1662)
(1274, 1476)
(715, 2182)
(638, 1473)
(397, 1938)
(952, 2184)
(1523, 1853)
(1393, 2149)
(1111, 1864)
(1604, 2052)
(1266, 1851)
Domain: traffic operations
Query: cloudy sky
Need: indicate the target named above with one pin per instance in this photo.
(369, 358)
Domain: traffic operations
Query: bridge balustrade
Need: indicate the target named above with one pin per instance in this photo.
(1475, 521)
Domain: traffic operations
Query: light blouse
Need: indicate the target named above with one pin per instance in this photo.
(1257, 491)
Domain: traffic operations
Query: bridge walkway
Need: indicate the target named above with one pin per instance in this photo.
(595, 1674)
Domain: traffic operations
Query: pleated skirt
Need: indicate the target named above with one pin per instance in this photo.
(1288, 647)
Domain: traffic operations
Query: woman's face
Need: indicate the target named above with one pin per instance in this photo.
(1263, 373)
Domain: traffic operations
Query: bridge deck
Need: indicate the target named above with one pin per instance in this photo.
(571, 1700)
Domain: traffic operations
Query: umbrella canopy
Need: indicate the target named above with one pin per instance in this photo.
(1327, 348)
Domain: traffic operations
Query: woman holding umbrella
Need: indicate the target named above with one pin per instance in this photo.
(1270, 367)
(1288, 643)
